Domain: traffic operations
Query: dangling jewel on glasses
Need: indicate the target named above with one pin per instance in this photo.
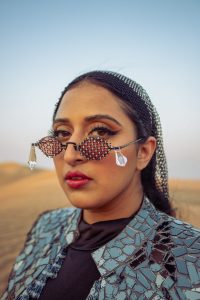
(32, 158)
(121, 160)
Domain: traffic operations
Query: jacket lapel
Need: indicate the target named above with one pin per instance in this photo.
(128, 245)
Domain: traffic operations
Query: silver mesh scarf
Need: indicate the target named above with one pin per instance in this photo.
(140, 101)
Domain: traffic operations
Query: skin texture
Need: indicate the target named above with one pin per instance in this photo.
(114, 192)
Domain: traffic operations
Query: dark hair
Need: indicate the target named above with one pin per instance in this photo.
(138, 112)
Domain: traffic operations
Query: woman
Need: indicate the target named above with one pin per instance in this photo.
(120, 241)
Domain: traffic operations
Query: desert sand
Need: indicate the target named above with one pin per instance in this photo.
(25, 194)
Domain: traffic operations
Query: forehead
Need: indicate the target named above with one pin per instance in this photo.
(90, 99)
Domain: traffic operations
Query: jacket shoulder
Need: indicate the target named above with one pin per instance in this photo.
(179, 228)
(49, 220)
(183, 236)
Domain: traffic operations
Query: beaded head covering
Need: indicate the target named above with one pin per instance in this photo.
(155, 174)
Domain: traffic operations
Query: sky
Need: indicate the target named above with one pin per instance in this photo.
(45, 44)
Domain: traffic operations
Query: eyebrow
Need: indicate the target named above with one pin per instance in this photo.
(100, 117)
(89, 119)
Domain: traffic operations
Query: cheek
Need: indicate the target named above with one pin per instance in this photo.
(58, 163)
(112, 174)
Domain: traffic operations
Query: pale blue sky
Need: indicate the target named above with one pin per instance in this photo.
(45, 44)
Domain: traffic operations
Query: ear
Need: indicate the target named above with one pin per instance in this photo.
(145, 153)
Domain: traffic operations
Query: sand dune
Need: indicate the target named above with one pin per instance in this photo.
(25, 194)
(12, 172)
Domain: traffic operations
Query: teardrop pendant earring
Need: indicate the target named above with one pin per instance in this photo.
(121, 160)
(32, 158)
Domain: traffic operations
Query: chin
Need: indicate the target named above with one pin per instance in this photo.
(83, 202)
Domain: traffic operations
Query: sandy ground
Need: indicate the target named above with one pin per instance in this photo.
(25, 194)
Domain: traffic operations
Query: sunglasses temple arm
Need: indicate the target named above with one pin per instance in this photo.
(125, 145)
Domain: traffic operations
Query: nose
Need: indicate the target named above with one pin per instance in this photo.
(71, 154)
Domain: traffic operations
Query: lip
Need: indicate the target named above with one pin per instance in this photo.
(76, 179)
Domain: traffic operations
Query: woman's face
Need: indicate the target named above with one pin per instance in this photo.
(96, 185)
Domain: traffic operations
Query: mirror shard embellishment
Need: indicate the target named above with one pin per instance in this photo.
(121, 160)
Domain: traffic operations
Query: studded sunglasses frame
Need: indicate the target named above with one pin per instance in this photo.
(92, 148)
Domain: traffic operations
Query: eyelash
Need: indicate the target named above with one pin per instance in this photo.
(55, 133)
(104, 129)
(109, 132)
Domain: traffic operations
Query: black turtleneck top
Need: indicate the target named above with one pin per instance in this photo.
(79, 271)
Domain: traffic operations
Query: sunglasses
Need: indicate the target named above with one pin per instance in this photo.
(92, 148)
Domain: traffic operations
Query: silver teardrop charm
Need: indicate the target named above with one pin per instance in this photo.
(121, 160)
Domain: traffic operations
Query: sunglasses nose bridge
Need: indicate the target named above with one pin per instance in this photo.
(75, 145)
(71, 154)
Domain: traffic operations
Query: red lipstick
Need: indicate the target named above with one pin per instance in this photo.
(76, 179)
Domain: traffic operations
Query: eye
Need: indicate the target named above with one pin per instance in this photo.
(61, 135)
(102, 131)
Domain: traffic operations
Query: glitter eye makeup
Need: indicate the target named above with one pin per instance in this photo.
(102, 131)
(61, 134)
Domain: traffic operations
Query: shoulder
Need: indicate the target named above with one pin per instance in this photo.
(59, 213)
(182, 241)
(184, 238)
(186, 241)
(47, 229)
(180, 229)
(52, 219)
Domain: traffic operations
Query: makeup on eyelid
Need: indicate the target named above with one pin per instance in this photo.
(92, 118)
(101, 130)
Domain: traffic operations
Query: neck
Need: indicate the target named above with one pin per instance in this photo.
(117, 208)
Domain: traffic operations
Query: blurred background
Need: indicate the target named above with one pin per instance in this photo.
(44, 45)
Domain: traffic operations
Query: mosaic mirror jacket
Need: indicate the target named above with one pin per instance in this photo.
(154, 257)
